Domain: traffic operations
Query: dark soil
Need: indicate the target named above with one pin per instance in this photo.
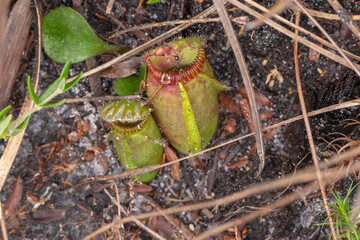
(46, 151)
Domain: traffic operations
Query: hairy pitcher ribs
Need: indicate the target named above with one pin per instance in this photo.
(183, 92)
(135, 135)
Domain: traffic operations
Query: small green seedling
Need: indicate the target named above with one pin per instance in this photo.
(342, 213)
(9, 129)
(67, 36)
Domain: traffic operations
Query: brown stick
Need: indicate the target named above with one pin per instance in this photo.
(2, 223)
(302, 176)
(17, 32)
(13, 145)
(306, 32)
(345, 17)
(289, 33)
(308, 130)
(355, 68)
(223, 14)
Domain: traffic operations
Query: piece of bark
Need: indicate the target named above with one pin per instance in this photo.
(14, 198)
(48, 215)
(4, 9)
(16, 35)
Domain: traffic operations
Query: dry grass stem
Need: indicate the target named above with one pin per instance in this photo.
(345, 17)
(323, 15)
(223, 14)
(2, 223)
(289, 33)
(173, 220)
(355, 68)
(262, 212)
(13, 144)
(140, 224)
(273, 11)
(302, 30)
(110, 6)
(303, 176)
(168, 23)
(308, 130)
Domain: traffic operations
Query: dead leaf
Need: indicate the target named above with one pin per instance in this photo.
(266, 114)
(14, 198)
(104, 162)
(164, 227)
(238, 164)
(94, 148)
(89, 155)
(142, 188)
(68, 167)
(48, 215)
(74, 136)
(175, 168)
(230, 125)
(85, 126)
(260, 98)
(246, 112)
(122, 69)
(228, 103)
(272, 132)
(313, 54)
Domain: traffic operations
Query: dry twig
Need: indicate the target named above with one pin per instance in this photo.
(305, 175)
(308, 129)
(304, 31)
(119, 221)
(2, 223)
(345, 17)
(289, 33)
(355, 68)
(13, 144)
(223, 14)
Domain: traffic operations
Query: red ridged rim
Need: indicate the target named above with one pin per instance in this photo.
(124, 129)
(184, 74)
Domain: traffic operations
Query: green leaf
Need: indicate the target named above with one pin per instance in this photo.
(65, 71)
(4, 111)
(73, 82)
(4, 124)
(21, 127)
(143, 72)
(62, 101)
(58, 84)
(153, 1)
(67, 36)
(32, 92)
(127, 86)
(194, 138)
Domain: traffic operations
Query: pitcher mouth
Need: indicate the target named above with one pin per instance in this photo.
(180, 60)
(126, 117)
